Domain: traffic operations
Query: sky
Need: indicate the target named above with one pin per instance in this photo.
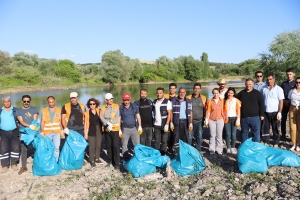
(229, 31)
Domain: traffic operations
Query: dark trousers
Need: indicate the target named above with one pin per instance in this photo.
(95, 145)
(171, 139)
(284, 114)
(113, 147)
(270, 118)
(146, 137)
(9, 147)
(253, 123)
(161, 139)
(181, 132)
(230, 131)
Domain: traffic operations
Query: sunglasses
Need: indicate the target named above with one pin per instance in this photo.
(92, 104)
(73, 98)
(259, 76)
(297, 82)
(26, 101)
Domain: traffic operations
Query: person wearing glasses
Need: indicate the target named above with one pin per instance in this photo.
(286, 86)
(25, 116)
(51, 124)
(294, 115)
(92, 131)
(259, 84)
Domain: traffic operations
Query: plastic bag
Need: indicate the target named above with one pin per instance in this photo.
(188, 161)
(145, 161)
(44, 162)
(281, 157)
(28, 135)
(72, 153)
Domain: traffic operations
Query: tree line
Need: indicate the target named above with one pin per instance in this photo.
(29, 69)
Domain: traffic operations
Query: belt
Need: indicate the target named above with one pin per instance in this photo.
(10, 130)
(182, 120)
(129, 126)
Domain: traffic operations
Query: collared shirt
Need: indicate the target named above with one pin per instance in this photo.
(128, 115)
(182, 113)
(294, 96)
(272, 97)
(260, 86)
(107, 114)
(287, 86)
(198, 106)
(7, 121)
(158, 120)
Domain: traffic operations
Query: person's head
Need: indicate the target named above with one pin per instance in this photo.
(181, 93)
(271, 79)
(259, 76)
(160, 93)
(51, 101)
(74, 98)
(249, 83)
(109, 99)
(143, 94)
(126, 99)
(172, 88)
(222, 83)
(216, 93)
(297, 82)
(6, 101)
(230, 93)
(197, 88)
(26, 101)
(290, 74)
(93, 103)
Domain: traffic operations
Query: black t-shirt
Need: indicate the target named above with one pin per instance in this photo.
(94, 121)
(145, 113)
(75, 122)
(252, 103)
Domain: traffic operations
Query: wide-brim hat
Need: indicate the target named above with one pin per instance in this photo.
(222, 81)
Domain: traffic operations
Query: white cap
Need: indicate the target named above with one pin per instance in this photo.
(73, 94)
(108, 96)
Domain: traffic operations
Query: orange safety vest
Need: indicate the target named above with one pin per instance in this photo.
(202, 97)
(68, 110)
(167, 96)
(113, 114)
(87, 118)
(237, 109)
(51, 127)
(208, 107)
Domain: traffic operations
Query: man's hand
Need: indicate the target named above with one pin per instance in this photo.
(166, 128)
(120, 134)
(278, 116)
(86, 136)
(171, 126)
(191, 126)
(62, 134)
(261, 118)
(66, 131)
(33, 127)
(42, 134)
(140, 130)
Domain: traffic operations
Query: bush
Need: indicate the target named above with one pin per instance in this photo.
(27, 74)
(67, 69)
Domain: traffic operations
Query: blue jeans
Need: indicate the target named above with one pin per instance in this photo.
(254, 124)
(230, 131)
(56, 141)
(197, 130)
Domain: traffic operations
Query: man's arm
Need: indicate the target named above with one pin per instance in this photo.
(138, 117)
(20, 119)
(280, 105)
(63, 121)
(261, 105)
(170, 117)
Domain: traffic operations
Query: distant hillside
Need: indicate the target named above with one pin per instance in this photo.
(147, 62)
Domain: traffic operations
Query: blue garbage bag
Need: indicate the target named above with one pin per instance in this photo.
(281, 157)
(145, 161)
(251, 157)
(44, 162)
(28, 135)
(188, 161)
(72, 154)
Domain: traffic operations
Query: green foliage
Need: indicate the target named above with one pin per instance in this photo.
(26, 59)
(67, 69)
(29, 75)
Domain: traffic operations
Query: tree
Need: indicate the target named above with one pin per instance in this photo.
(67, 69)
(206, 69)
(26, 59)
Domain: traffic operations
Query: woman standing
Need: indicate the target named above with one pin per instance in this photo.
(232, 116)
(215, 120)
(92, 131)
(294, 115)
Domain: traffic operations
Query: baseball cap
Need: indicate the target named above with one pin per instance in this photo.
(126, 97)
(108, 96)
(73, 94)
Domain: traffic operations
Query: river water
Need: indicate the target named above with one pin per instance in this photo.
(39, 99)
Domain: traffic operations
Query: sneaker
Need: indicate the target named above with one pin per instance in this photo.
(14, 167)
(117, 168)
(228, 150)
(211, 152)
(233, 151)
(297, 148)
(99, 162)
(108, 165)
(93, 164)
(220, 153)
(4, 169)
(292, 148)
(22, 170)
(275, 146)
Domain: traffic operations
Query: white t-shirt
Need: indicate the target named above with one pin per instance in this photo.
(157, 111)
(231, 108)
(294, 96)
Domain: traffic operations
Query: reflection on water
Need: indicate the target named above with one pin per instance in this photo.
(39, 99)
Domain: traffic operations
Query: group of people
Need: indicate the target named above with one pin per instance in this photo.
(169, 118)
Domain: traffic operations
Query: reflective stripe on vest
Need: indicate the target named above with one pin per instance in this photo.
(113, 114)
(51, 127)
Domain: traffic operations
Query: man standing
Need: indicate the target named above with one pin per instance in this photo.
(273, 97)
(130, 118)
(286, 86)
(172, 92)
(51, 124)
(222, 87)
(182, 117)
(162, 111)
(259, 84)
(110, 117)
(145, 110)
(10, 140)
(198, 105)
(25, 116)
(252, 110)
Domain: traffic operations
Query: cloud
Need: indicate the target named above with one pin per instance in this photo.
(72, 55)
(29, 51)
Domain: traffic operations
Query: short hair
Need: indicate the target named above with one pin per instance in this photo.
(143, 89)
(160, 88)
(289, 70)
(230, 89)
(182, 88)
(6, 98)
(215, 89)
(26, 96)
(197, 84)
(258, 72)
(93, 99)
(271, 74)
(172, 84)
(50, 97)
(249, 79)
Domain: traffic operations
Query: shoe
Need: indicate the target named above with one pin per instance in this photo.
(14, 167)
(211, 152)
(4, 169)
(93, 164)
(233, 151)
(292, 148)
(228, 150)
(108, 165)
(220, 153)
(22, 170)
(275, 146)
(297, 148)
(99, 162)
(117, 168)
